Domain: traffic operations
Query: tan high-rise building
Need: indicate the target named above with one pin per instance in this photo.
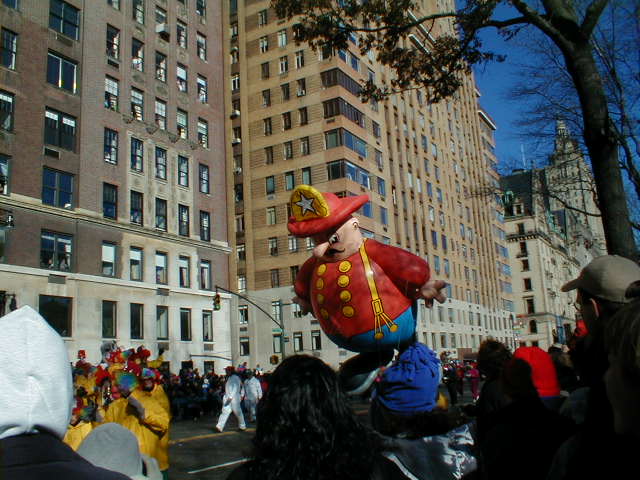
(550, 238)
(111, 143)
(296, 118)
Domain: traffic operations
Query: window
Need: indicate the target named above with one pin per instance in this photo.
(271, 218)
(161, 67)
(10, 3)
(201, 8)
(137, 55)
(266, 126)
(181, 77)
(384, 217)
(113, 42)
(244, 346)
(161, 268)
(136, 211)
(201, 45)
(161, 163)
(184, 271)
(286, 120)
(270, 185)
(241, 252)
(529, 305)
(263, 18)
(282, 38)
(289, 181)
(55, 251)
(161, 214)
(297, 342)
(59, 129)
(183, 171)
(339, 137)
(306, 176)
(264, 72)
(277, 343)
(135, 263)
(109, 321)
(203, 133)
(136, 320)
(138, 11)
(527, 284)
(263, 44)
(303, 115)
(183, 220)
(4, 174)
(110, 146)
(108, 259)
(162, 322)
(137, 104)
(235, 82)
(243, 314)
(293, 243)
(272, 243)
(533, 326)
(207, 326)
(109, 201)
(202, 87)
(57, 188)
(300, 59)
(305, 148)
(6, 111)
(161, 16)
(181, 34)
(268, 155)
(137, 154)
(203, 178)
(283, 64)
(64, 18)
(316, 340)
(525, 265)
(205, 226)
(161, 114)
(111, 92)
(205, 274)
(287, 150)
(274, 275)
(61, 72)
(8, 49)
(301, 89)
(57, 312)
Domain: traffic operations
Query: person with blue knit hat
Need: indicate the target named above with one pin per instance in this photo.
(425, 437)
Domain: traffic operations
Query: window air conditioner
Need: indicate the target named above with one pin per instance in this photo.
(236, 141)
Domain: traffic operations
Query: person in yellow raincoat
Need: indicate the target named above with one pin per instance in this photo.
(144, 410)
(79, 428)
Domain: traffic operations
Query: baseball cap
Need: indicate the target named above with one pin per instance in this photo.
(606, 277)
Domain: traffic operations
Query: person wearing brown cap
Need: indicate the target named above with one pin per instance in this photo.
(362, 292)
(602, 289)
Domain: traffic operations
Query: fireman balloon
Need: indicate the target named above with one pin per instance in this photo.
(362, 292)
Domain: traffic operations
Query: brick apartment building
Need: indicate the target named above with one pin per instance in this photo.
(114, 222)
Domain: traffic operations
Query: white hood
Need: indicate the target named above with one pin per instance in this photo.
(36, 389)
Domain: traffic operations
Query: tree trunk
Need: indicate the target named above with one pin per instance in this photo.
(601, 143)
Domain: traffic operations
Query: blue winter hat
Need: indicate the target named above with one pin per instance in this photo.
(410, 385)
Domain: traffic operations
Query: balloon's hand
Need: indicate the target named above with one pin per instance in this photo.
(305, 305)
(433, 290)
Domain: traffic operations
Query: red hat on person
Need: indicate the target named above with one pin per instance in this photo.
(314, 212)
(543, 372)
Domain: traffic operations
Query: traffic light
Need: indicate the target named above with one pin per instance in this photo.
(216, 301)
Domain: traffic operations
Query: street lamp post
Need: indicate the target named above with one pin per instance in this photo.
(280, 323)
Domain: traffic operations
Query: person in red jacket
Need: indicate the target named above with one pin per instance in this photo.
(363, 292)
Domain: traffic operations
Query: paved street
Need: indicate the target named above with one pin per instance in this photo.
(197, 453)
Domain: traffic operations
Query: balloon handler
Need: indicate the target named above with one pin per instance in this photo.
(363, 292)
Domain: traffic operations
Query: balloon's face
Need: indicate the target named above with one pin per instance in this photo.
(337, 245)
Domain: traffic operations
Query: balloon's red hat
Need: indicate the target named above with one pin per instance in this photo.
(314, 212)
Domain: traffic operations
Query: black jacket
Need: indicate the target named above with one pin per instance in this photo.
(43, 456)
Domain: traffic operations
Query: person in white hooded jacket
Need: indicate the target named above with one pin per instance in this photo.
(36, 398)
(231, 402)
(252, 394)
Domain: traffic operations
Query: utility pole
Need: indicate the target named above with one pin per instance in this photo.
(280, 323)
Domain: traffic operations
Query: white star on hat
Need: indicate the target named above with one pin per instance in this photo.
(306, 204)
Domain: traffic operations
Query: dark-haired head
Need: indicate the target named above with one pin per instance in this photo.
(306, 428)
(492, 357)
